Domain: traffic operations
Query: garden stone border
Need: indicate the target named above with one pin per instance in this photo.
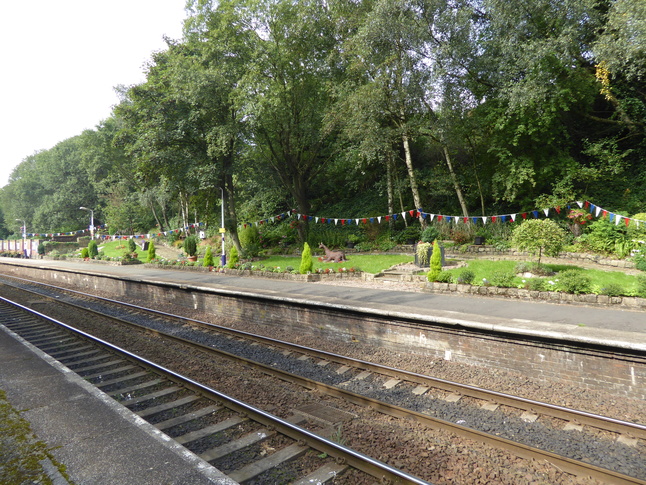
(627, 302)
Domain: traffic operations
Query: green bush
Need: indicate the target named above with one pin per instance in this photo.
(641, 285)
(132, 245)
(85, 253)
(93, 249)
(466, 277)
(234, 258)
(607, 237)
(444, 277)
(574, 281)
(612, 289)
(503, 279)
(411, 233)
(152, 253)
(536, 284)
(307, 265)
(436, 263)
(430, 234)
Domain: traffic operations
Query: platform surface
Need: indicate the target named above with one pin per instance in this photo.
(97, 440)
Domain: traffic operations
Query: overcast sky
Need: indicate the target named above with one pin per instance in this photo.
(61, 59)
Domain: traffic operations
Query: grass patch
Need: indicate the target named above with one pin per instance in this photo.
(601, 281)
(369, 263)
(116, 249)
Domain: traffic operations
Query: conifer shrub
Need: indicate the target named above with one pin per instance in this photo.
(436, 263)
(152, 253)
(208, 257)
(234, 258)
(93, 249)
(190, 245)
(85, 253)
(307, 265)
(132, 245)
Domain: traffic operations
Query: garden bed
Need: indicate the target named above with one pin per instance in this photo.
(629, 302)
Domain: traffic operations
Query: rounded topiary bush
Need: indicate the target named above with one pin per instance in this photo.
(152, 252)
(436, 263)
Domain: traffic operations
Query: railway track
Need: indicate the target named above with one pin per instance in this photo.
(247, 443)
(351, 376)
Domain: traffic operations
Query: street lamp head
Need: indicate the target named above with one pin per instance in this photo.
(84, 208)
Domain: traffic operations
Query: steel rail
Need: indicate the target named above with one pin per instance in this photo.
(567, 464)
(367, 464)
(552, 410)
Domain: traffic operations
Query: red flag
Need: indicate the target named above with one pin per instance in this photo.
(627, 221)
(465, 219)
(365, 221)
(493, 218)
(439, 218)
(387, 218)
(558, 210)
(343, 222)
(605, 213)
(323, 220)
(586, 204)
(524, 214)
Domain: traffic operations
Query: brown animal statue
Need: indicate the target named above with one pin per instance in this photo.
(332, 256)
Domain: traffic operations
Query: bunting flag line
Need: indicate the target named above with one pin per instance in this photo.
(420, 214)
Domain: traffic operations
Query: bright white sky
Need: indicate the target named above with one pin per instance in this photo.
(61, 59)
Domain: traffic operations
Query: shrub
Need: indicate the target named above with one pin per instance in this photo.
(93, 249)
(306, 260)
(573, 281)
(132, 245)
(411, 233)
(85, 253)
(641, 285)
(503, 279)
(41, 249)
(429, 234)
(208, 257)
(536, 284)
(152, 253)
(612, 289)
(190, 245)
(234, 258)
(436, 263)
(539, 236)
(466, 277)
(444, 277)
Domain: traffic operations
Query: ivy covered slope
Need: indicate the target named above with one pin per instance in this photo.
(355, 109)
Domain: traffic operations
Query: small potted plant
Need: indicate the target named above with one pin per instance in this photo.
(480, 236)
(353, 239)
(190, 247)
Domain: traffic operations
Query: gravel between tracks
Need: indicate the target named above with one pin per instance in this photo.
(437, 456)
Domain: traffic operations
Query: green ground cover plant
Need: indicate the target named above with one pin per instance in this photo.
(569, 278)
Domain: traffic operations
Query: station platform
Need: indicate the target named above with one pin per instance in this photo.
(97, 440)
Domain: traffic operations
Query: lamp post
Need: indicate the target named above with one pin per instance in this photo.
(24, 235)
(223, 257)
(91, 221)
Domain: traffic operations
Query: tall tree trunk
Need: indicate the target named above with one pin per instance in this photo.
(456, 185)
(389, 187)
(411, 176)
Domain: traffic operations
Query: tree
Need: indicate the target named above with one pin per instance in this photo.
(539, 236)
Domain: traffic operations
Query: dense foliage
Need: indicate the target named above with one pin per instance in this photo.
(359, 108)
